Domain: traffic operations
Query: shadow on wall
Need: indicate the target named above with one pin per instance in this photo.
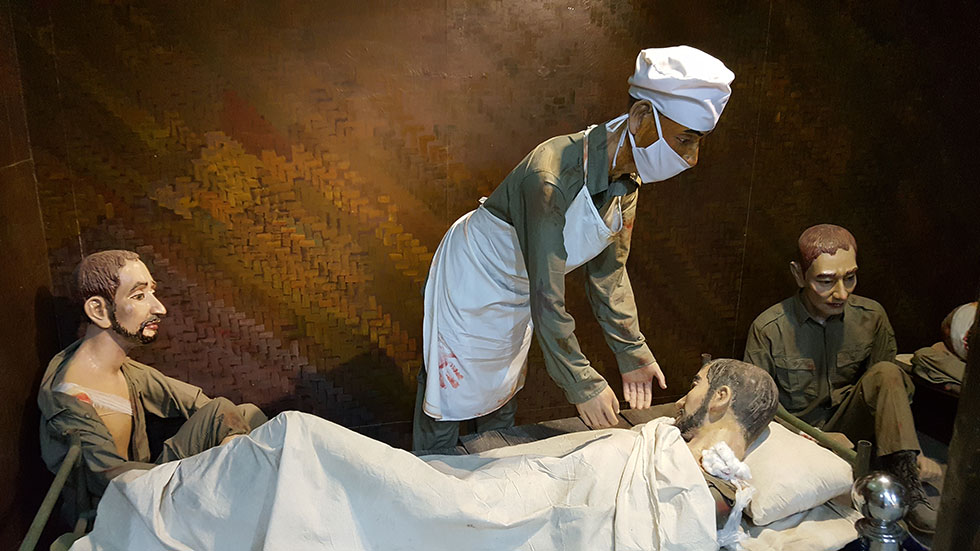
(31, 469)
(383, 411)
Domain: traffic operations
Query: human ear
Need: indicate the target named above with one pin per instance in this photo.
(97, 310)
(798, 274)
(721, 400)
(639, 112)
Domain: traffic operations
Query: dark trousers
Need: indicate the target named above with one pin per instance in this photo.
(430, 434)
(208, 426)
(879, 409)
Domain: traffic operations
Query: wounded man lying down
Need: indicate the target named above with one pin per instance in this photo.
(300, 482)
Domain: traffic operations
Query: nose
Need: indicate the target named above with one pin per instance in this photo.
(680, 403)
(840, 290)
(691, 158)
(157, 308)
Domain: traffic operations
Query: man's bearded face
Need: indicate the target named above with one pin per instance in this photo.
(690, 423)
(135, 311)
(692, 409)
(143, 335)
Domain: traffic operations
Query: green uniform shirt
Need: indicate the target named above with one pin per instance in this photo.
(149, 392)
(533, 199)
(816, 365)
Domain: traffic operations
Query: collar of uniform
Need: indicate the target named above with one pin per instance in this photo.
(598, 178)
(801, 314)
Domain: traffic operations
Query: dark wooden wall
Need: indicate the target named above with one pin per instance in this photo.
(287, 169)
(27, 329)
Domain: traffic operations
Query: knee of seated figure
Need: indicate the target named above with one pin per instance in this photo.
(229, 415)
(219, 403)
(888, 374)
(253, 415)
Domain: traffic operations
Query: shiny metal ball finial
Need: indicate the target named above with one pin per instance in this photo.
(880, 497)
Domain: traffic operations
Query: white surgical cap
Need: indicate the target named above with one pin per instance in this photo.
(687, 85)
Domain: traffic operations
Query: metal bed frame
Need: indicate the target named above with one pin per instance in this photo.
(72, 462)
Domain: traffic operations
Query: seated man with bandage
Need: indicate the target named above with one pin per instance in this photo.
(300, 482)
(93, 388)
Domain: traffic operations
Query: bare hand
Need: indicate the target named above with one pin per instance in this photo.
(601, 411)
(229, 438)
(638, 385)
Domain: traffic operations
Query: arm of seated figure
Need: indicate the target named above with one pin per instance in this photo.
(126, 467)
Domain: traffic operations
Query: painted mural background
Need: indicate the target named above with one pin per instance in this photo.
(287, 168)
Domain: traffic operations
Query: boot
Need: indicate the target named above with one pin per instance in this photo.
(921, 516)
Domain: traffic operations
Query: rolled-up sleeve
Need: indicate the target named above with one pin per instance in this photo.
(611, 296)
(540, 222)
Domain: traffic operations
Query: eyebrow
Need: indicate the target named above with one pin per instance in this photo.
(834, 274)
(695, 132)
(138, 285)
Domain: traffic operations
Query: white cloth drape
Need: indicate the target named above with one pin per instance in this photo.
(300, 482)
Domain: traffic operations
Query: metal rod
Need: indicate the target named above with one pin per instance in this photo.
(862, 463)
(846, 453)
(44, 512)
(81, 526)
(82, 503)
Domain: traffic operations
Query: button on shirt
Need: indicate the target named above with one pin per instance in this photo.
(815, 365)
(533, 199)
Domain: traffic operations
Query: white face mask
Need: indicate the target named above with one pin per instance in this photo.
(656, 162)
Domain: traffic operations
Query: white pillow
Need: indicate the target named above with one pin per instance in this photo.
(820, 529)
(792, 474)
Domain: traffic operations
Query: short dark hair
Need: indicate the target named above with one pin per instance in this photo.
(754, 393)
(98, 275)
(823, 238)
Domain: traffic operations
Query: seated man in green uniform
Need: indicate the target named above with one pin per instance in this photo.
(831, 353)
(95, 389)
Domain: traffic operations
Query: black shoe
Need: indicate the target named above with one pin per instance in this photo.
(921, 516)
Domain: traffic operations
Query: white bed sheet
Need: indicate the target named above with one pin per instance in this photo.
(300, 482)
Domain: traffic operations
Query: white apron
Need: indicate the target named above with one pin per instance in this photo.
(477, 326)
